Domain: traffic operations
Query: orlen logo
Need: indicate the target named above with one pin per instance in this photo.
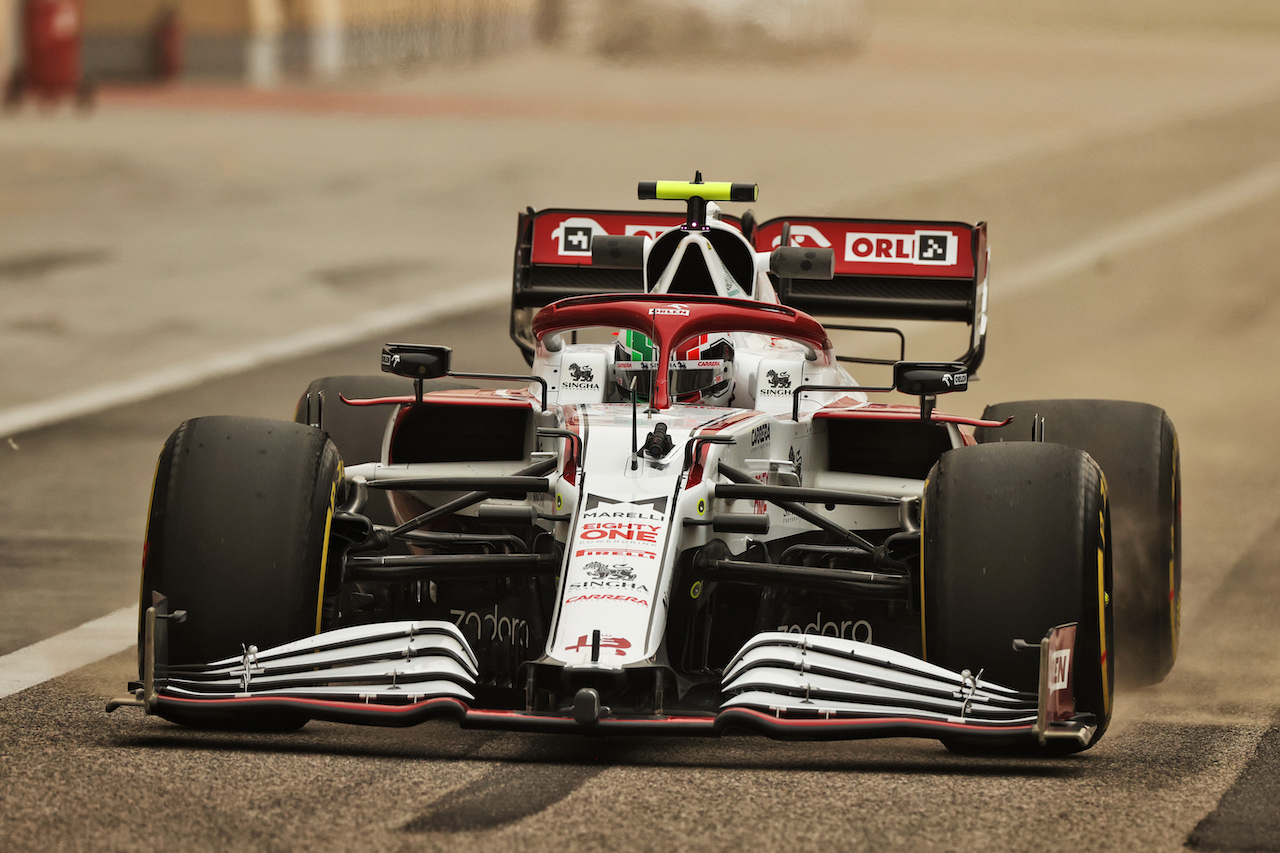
(1059, 669)
(804, 235)
(923, 248)
(675, 309)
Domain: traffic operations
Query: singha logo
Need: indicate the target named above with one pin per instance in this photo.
(599, 571)
(779, 380)
(582, 374)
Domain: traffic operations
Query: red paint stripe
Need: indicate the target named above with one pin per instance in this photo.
(899, 413)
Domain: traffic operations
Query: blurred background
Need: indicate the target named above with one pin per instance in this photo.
(264, 41)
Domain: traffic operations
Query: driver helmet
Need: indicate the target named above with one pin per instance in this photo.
(701, 369)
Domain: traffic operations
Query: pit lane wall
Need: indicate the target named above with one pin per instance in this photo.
(263, 42)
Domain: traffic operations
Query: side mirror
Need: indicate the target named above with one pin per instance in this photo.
(617, 253)
(930, 378)
(416, 361)
(801, 262)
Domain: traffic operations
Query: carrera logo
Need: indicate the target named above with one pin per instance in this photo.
(629, 599)
(675, 309)
(923, 248)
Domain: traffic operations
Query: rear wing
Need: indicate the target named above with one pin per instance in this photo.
(884, 269)
(553, 259)
(890, 270)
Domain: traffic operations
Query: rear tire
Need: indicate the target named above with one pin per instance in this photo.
(1015, 542)
(237, 536)
(1137, 447)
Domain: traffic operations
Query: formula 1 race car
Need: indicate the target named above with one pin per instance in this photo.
(687, 518)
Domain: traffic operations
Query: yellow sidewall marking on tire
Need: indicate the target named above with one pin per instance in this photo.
(324, 549)
(1102, 600)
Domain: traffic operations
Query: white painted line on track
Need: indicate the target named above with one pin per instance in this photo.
(468, 298)
(1225, 198)
(116, 631)
(68, 651)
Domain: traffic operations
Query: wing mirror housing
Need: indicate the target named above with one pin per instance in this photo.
(610, 252)
(930, 378)
(416, 361)
(803, 262)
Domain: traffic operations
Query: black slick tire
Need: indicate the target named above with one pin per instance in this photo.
(1015, 541)
(237, 536)
(1137, 447)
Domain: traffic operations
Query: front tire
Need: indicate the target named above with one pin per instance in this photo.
(1016, 541)
(237, 536)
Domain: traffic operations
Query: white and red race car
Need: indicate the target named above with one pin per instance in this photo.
(687, 518)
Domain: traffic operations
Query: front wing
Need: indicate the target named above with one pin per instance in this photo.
(786, 686)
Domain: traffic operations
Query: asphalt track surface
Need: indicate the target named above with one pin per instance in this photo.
(1186, 317)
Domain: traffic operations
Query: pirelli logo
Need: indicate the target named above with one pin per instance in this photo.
(923, 248)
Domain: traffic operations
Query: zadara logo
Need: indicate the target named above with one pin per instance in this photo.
(618, 644)
(675, 309)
